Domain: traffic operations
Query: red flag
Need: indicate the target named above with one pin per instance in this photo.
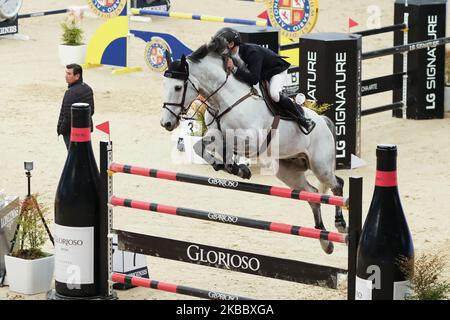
(103, 127)
(352, 23)
(264, 15)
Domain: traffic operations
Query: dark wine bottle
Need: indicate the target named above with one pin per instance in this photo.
(385, 238)
(77, 208)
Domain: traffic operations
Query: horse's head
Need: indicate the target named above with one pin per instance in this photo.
(179, 93)
(182, 87)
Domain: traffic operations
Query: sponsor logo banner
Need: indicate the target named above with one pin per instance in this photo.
(107, 8)
(155, 54)
(293, 17)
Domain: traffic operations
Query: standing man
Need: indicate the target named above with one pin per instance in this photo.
(77, 91)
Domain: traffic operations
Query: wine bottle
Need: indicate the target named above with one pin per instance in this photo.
(385, 238)
(77, 213)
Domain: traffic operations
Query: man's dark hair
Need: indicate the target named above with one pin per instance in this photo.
(77, 69)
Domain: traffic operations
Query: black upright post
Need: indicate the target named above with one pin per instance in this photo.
(426, 68)
(263, 36)
(330, 65)
(105, 288)
(355, 225)
(28, 173)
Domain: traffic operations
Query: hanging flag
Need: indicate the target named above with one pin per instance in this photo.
(105, 128)
(357, 162)
(352, 23)
(265, 15)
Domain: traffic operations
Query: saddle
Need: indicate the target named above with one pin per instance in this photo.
(274, 107)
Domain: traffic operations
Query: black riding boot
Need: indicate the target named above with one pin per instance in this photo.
(305, 124)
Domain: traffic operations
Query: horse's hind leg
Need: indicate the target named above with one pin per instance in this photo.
(329, 181)
(290, 173)
(339, 220)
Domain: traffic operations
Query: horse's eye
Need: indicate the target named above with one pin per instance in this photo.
(178, 88)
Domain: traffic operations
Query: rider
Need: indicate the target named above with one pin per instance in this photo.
(252, 63)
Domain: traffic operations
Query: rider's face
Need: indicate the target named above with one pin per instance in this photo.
(232, 47)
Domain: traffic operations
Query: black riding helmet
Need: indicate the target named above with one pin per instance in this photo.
(230, 35)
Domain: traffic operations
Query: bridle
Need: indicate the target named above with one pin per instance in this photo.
(184, 76)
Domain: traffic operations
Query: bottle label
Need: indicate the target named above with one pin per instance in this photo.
(74, 255)
(401, 290)
(363, 289)
(386, 179)
(80, 134)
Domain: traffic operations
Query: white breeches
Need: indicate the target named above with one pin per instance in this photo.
(277, 83)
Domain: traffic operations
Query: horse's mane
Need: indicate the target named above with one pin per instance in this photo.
(215, 48)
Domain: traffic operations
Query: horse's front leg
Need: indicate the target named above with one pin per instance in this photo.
(240, 170)
(216, 152)
(231, 166)
(207, 148)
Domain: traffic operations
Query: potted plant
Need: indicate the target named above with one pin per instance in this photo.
(72, 49)
(28, 268)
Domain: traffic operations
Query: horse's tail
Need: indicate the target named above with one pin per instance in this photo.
(330, 126)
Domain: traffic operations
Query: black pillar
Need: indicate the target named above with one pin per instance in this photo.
(264, 36)
(330, 65)
(426, 68)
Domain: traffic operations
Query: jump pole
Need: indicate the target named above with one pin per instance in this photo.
(230, 219)
(200, 17)
(406, 48)
(231, 184)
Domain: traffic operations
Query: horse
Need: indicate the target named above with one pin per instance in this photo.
(235, 106)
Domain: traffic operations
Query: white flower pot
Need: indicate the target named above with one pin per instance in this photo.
(30, 276)
(72, 54)
(447, 99)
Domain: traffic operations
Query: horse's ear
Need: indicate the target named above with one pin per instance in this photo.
(183, 59)
(168, 58)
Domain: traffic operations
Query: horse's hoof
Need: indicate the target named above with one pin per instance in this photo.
(341, 226)
(244, 172)
(327, 246)
(218, 167)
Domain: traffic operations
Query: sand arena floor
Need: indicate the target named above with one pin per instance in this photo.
(32, 86)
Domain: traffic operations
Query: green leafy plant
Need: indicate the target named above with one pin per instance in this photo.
(72, 33)
(197, 112)
(425, 277)
(32, 234)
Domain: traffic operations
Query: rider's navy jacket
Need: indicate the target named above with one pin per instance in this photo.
(262, 63)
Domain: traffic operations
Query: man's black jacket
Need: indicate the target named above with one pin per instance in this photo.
(262, 63)
(77, 92)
